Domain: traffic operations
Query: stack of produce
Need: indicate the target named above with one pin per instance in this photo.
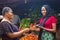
(32, 25)
(29, 37)
(25, 23)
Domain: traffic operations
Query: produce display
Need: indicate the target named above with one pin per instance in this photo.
(25, 23)
(32, 25)
(29, 37)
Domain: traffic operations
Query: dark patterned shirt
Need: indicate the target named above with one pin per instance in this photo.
(8, 27)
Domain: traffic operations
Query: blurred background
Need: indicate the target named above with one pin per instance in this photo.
(29, 10)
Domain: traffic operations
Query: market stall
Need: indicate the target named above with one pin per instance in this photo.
(25, 23)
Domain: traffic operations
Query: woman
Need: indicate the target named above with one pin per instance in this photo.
(16, 20)
(47, 24)
(10, 31)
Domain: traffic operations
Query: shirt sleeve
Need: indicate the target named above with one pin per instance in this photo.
(6, 27)
(53, 19)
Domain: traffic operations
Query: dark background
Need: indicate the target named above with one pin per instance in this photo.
(21, 8)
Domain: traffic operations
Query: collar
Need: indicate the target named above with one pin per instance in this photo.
(4, 19)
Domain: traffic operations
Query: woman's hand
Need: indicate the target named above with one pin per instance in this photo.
(26, 30)
(51, 30)
(32, 29)
(41, 27)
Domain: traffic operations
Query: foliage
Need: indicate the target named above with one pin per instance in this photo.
(25, 22)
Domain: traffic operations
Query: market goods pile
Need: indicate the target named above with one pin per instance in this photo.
(29, 37)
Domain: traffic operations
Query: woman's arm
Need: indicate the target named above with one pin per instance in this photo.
(16, 34)
(51, 30)
(35, 29)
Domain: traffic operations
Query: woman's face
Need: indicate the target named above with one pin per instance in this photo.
(10, 14)
(43, 11)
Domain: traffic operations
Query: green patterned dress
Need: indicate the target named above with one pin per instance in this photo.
(47, 35)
